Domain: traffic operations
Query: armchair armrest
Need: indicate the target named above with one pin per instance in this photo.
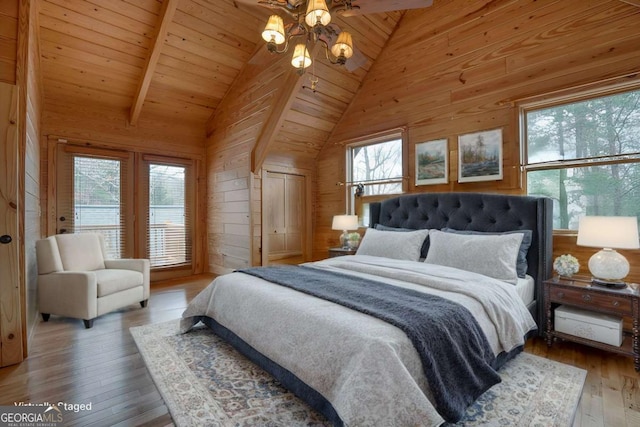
(139, 264)
(128, 264)
(69, 293)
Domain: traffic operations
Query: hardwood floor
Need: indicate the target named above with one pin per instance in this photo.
(68, 363)
(102, 365)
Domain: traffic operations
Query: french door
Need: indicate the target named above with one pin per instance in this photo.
(95, 194)
(168, 219)
(141, 204)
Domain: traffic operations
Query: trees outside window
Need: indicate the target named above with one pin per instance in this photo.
(586, 156)
(376, 168)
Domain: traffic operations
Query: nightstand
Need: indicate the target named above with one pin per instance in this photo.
(579, 292)
(334, 252)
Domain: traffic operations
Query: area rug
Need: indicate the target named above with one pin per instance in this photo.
(205, 382)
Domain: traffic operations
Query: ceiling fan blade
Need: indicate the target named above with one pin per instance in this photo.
(357, 60)
(379, 6)
(273, 4)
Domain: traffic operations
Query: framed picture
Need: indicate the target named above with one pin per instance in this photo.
(480, 156)
(432, 163)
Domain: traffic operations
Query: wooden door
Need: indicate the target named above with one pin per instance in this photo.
(283, 216)
(10, 302)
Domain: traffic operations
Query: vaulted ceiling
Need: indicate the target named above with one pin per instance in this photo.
(177, 59)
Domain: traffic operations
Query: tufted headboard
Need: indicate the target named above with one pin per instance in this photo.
(479, 212)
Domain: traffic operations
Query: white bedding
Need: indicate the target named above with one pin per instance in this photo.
(368, 369)
(525, 287)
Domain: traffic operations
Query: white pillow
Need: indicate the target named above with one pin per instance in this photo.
(492, 255)
(391, 244)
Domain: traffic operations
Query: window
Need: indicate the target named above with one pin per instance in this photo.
(92, 197)
(97, 201)
(168, 219)
(375, 168)
(586, 156)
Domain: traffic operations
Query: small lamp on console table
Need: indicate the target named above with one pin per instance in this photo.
(345, 223)
(607, 266)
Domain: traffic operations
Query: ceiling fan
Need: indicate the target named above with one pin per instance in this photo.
(312, 23)
(347, 7)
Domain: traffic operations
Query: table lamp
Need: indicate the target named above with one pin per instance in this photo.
(345, 223)
(607, 266)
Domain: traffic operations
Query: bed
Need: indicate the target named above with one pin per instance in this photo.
(360, 367)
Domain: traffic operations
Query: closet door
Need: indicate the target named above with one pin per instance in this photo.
(283, 217)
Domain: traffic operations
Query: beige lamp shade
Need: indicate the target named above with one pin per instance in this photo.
(345, 222)
(274, 30)
(608, 233)
(614, 232)
(317, 13)
(301, 58)
(343, 46)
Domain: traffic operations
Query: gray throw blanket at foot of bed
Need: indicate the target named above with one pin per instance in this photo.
(456, 356)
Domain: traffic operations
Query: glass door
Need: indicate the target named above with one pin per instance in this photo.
(93, 197)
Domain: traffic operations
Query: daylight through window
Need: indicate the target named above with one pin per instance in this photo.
(586, 156)
(376, 168)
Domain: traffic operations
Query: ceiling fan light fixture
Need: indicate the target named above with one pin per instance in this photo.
(301, 58)
(343, 47)
(274, 30)
(317, 13)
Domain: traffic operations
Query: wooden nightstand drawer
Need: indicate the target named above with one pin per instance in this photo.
(586, 298)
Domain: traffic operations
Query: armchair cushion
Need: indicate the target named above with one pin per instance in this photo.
(111, 281)
(81, 252)
(48, 256)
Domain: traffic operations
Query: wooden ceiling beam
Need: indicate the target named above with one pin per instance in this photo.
(286, 95)
(278, 112)
(165, 17)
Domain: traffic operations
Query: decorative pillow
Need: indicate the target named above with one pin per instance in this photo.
(492, 255)
(521, 263)
(425, 244)
(391, 244)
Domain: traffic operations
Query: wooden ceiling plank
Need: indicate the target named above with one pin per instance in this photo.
(96, 25)
(633, 2)
(129, 10)
(187, 67)
(286, 95)
(96, 63)
(65, 29)
(164, 19)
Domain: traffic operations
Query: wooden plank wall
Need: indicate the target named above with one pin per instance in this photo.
(292, 147)
(8, 40)
(233, 196)
(32, 177)
(458, 66)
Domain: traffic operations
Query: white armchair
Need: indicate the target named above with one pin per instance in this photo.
(75, 280)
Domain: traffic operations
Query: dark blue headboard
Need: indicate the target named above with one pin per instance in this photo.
(478, 212)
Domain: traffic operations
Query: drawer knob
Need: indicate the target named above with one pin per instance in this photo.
(560, 294)
(616, 303)
(586, 297)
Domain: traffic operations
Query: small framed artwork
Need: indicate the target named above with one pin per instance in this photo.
(432, 164)
(480, 156)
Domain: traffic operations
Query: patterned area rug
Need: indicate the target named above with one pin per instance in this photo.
(205, 382)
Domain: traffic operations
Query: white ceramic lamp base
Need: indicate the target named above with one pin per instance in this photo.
(608, 266)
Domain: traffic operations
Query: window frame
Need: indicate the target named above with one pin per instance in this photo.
(355, 205)
(564, 97)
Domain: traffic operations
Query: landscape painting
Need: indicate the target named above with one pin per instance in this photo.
(480, 156)
(431, 162)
